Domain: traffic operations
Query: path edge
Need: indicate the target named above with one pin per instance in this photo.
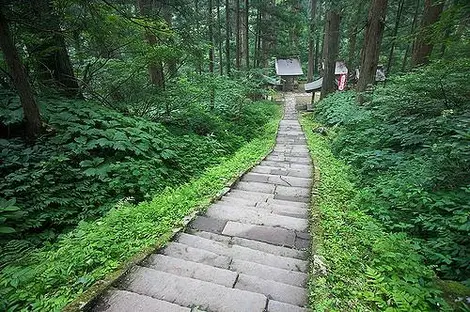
(89, 297)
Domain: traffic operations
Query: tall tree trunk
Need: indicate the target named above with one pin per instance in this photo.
(246, 30)
(155, 67)
(423, 47)
(237, 39)
(219, 39)
(394, 35)
(211, 53)
(198, 30)
(352, 42)
(330, 52)
(256, 56)
(227, 36)
(53, 61)
(372, 42)
(20, 79)
(168, 17)
(311, 44)
(410, 47)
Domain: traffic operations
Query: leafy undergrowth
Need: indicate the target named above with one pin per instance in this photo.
(93, 156)
(47, 279)
(368, 269)
(409, 146)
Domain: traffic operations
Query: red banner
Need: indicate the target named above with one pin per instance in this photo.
(342, 82)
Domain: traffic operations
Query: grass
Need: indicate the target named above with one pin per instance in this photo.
(50, 278)
(367, 269)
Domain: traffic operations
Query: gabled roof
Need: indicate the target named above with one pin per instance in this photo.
(341, 69)
(314, 85)
(288, 67)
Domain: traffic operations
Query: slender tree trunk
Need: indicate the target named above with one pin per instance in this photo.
(155, 67)
(237, 39)
(20, 79)
(211, 53)
(198, 28)
(227, 36)
(167, 15)
(423, 46)
(219, 39)
(317, 53)
(53, 61)
(330, 52)
(394, 35)
(256, 56)
(352, 42)
(311, 44)
(246, 35)
(372, 42)
(410, 47)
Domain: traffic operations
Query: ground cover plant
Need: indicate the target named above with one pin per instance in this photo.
(357, 264)
(48, 278)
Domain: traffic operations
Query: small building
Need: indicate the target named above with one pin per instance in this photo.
(288, 69)
(340, 69)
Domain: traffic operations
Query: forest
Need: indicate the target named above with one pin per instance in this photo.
(119, 118)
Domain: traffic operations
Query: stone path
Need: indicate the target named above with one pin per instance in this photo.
(247, 253)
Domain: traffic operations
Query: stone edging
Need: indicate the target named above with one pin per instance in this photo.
(86, 300)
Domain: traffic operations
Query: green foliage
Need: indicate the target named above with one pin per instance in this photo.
(368, 269)
(410, 146)
(93, 157)
(49, 278)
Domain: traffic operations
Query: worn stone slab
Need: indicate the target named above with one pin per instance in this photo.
(250, 195)
(267, 234)
(191, 269)
(255, 187)
(277, 179)
(282, 171)
(244, 253)
(256, 216)
(269, 273)
(297, 160)
(297, 194)
(185, 252)
(191, 292)
(238, 201)
(276, 306)
(256, 245)
(289, 203)
(126, 301)
(273, 290)
(285, 210)
(204, 223)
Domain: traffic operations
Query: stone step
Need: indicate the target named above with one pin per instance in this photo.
(255, 187)
(195, 254)
(190, 292)
(243, 253)
(239, 201)
(287, 203)
(256, 245)
(277, 179)
(191, 269)
(288, 153)
(286, 165)
(276, 306)
(280, 210)
(258, 216)
(126, 301)
(290, 159)
(267, 234)
(249, 195)
(282, 171)
(297, 194)
(297, 279)
(208, 224)
(273, 290)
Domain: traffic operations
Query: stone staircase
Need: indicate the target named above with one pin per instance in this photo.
(247, 253)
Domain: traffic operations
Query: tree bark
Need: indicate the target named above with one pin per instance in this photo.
(211, 53)
(246, 34)
(237, 38)
(372, 42)
(394, 35)
(219, 39)
(330, 52)
(410, 46)
(51, 55)
(423, 45)
(227, 36)
(311, 44)
(20, 79)
(352, 42)
(155, 67)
